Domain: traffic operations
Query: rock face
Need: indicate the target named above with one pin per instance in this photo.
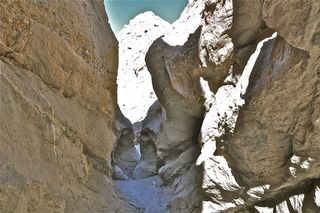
(58, 63)
(180, 95)
(126, 156)
(263, 154)
(168, 134)
(149, 162)
(231, 131)
(135, 92)
(279, 120)
(267, 162)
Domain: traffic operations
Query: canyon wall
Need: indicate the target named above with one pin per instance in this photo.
(58, 65)
(218, 145)
(262, 140)
(267, 161)
(258, 159)
(180, 95)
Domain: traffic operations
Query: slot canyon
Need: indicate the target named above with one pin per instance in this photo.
(215, 112)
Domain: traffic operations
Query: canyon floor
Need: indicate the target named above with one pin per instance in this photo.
(147, 194)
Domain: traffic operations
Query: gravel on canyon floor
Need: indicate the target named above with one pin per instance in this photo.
(147, 194)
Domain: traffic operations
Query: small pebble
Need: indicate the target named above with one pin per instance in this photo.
(86, 53)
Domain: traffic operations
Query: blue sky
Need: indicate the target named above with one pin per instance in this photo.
(120, 12)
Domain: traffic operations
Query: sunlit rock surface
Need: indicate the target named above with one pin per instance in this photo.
(135, 92)
(268, 149)
(249, 162)
(180, 95)
(230, 132)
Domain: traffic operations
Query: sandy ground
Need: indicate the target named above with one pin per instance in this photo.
(146, 193)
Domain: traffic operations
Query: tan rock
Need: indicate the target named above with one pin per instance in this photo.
(273, 149)
(57, 108)
(180, 95)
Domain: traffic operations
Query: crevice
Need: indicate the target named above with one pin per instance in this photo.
(99, 163)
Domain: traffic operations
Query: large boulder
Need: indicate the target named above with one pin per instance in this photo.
(173, 69)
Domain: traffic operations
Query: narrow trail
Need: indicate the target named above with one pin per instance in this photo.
(146, 194)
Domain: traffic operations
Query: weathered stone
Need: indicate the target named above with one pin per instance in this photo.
(149, 162)
(59, 149)
(126, 155)
(296, 21)
(118, 174)
(179, 92)
(278, 123)
(57, 109)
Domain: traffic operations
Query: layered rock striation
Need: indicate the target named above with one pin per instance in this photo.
(235, 127)
(58, 65)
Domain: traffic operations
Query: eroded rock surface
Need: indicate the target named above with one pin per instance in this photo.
(58, 62)
(259, 145)
(126, 155)
(266, 160)
(149, 162)
(180, 95)
(135, 92)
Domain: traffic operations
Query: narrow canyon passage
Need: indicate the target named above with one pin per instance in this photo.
(188, 159)
(215, 112)
(141, 171)
(136, 174)
(162, 172)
